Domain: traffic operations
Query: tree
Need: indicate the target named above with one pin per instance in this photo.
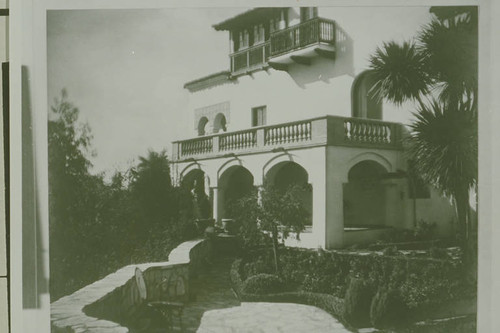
(151, 187)
(443, 141)
(276, 212)
(74, 194)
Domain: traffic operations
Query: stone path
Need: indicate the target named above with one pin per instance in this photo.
(217, 310)
(270, 318)
(212, 290)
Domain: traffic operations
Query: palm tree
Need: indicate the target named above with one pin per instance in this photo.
(399, 73)
(443, 145)
(450, 50)
(443, 142)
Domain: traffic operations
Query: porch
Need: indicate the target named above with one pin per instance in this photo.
(348, 168)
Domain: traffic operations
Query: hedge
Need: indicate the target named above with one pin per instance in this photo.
(329, 303)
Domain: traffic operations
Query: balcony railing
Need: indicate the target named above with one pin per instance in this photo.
(250, 58)
(314, 31)
(328, 130)
(317, 30)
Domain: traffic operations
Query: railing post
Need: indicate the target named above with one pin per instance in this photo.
(336, 131)
(215, 144)
(319, 130)
(260, 137)
(175, 151)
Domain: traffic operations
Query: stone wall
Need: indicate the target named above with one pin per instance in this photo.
(102, 305)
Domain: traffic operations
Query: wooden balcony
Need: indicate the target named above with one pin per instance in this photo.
(250, 59)
(317, 35)
(314, 31)
(328, 130)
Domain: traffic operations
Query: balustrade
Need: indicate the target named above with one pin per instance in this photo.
(365, 131)
(196, 146)
(329, 130)
(237, 140)
(288, 133)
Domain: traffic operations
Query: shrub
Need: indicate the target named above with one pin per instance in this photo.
(263, 284)
(358, 298)
(388, 310)
(438, 253)
(424, 230)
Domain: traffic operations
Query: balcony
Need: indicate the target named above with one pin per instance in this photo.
(328, 130)
(298, 43)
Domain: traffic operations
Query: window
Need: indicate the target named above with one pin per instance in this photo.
(220, 123)
(258, 34)
(307, 13)
(259, 116)
(202, 124)
(244, 39)
(364, 103)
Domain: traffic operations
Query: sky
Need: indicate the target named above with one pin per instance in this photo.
(125, 69)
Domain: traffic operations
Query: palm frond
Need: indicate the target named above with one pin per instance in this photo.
(450, 50)
(443, 144)
(399, 72)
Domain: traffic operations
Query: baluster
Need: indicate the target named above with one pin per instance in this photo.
(292, 132)
(347, 133)
(369, 132)
(388, 136)
(308, 128)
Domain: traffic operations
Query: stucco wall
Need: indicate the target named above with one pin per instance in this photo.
(303, 92)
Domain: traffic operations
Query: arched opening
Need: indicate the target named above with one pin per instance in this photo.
(195, 181)
(364, 103)
(286, 174)
(220, 123)
(235, 183)
(202, 124)
(365, 195)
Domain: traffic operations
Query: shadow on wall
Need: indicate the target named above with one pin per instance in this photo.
(324, 69)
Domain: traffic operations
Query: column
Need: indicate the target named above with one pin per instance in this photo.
(334, 197)
(215, 204)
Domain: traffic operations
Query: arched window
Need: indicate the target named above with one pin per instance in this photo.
(364, 103)
(202, 124)
(220, 123)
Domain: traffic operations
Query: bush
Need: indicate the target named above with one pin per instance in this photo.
(388, 310)
(263, 284)
(424, 230)
(358, 298)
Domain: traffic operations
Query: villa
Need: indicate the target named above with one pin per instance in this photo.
(293, 107)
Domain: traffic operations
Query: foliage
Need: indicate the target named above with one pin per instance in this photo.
(331, 304)
(263, 284)
(443, 142)
(331, 272)
(388, 310)
(399, 72)
(357, 299)
(277, 212)
(424, 230)
(97, 226)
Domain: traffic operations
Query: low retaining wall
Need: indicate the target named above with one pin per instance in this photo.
(116, 296)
